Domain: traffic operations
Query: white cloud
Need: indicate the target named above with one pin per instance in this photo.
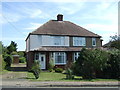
(33, 26)
(71, 8)
(10, 17)
(34, 13)
(11, 38)
(102, 27)
(106, 37)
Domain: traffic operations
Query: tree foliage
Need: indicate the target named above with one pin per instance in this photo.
(89, 62)
(113, 68)
(12, 47)
(115, 42)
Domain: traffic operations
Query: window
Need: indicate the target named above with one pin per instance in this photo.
(93, 41)
(36, 56)
(79, 41)
(59, 57)
(76, 55)
(58, 40)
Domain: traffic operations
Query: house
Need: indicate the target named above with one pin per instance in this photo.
(59, 40)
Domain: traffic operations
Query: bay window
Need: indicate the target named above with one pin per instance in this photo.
(59, 57)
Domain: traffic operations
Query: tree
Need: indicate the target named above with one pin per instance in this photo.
(89, 62)
(115, 42)
(1, 46)
(12, 47)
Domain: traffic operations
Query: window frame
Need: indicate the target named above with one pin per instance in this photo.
(77, 55)
(93, 39)
(79, 41)
(58, 40)
(36, 56)
(54, 57)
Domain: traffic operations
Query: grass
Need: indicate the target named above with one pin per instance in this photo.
(53, 76)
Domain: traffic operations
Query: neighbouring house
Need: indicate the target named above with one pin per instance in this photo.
(59, 40)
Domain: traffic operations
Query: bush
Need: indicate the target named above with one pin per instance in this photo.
(59, 70)
(113, 68)
(51, 65)
(89, 62)
(14, 53)
(22, 60)
(8, 60)
(69, 74)
(21, 53)
(36, 69)
(3, 63)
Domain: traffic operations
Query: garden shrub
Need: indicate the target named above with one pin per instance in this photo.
(69, 74)
(3, 63)
(8, 60)
(113, 68)
(59, 70)
(51, 65)
(36, 69)
(89, 62)
(14, 53)
(22, 60)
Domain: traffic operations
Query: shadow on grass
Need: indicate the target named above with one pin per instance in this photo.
(18, 69)
(30, 78)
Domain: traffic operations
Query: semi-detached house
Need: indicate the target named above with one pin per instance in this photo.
(59, 40)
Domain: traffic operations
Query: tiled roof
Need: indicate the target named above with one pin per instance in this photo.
(54, 27)
(45, 48)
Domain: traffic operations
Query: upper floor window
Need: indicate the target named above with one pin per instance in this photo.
(79, 41)
(58, 40)
(93, 41)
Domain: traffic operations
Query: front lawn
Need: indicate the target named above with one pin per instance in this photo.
(53, 76)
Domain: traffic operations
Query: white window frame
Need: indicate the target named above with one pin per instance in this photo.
(54, 58)
(36, 56)
(93, 40)
(58, 40)
(79, 41)
(76, 55)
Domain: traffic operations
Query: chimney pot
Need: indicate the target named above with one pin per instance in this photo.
(59, 17)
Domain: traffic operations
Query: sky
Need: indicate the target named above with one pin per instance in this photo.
(18, 19)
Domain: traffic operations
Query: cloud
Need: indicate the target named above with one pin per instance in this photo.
(71, 8)
(106, 37)
(33, 26)
(10, 17)
(12, 38)
(102, 27)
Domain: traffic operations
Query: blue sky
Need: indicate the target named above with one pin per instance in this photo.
(21, 18)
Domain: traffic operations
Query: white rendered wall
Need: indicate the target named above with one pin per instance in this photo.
(36, 41)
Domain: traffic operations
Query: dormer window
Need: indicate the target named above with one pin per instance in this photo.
(93, 41)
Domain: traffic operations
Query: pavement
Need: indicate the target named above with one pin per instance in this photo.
(24, 83)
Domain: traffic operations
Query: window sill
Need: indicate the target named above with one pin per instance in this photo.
(60, 63)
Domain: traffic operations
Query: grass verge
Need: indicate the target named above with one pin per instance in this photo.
(53, 76)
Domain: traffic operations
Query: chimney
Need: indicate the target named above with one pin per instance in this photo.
(59, 17)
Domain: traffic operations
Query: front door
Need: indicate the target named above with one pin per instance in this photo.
(42, 61)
